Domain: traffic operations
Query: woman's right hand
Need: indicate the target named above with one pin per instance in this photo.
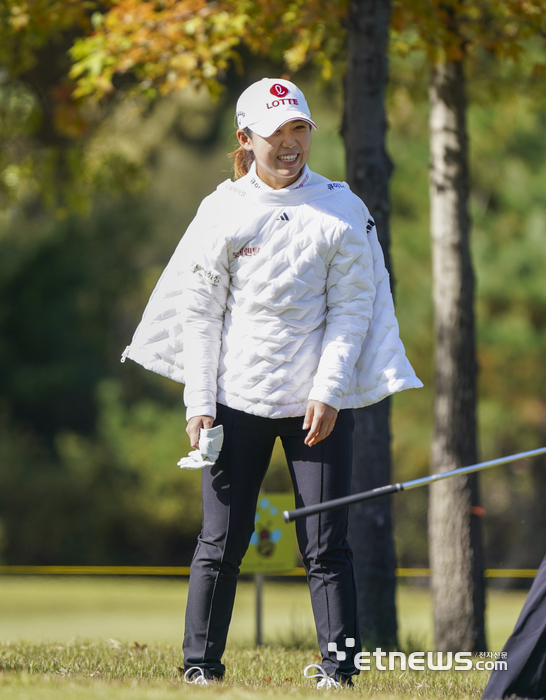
(194, 426)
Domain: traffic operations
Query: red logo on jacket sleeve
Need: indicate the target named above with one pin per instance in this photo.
(279, 90)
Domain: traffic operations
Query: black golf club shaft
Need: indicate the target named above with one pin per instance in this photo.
(291, 515)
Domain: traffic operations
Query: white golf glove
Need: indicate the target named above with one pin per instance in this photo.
(210, 444)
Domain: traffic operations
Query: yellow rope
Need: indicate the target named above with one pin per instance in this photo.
(185, 571)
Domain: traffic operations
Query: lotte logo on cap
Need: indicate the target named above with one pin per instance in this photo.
(279, 90)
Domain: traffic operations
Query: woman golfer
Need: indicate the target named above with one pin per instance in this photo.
(275, 311)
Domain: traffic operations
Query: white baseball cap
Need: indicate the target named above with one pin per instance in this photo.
(270, 103)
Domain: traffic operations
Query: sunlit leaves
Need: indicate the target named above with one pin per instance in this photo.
(168, 45)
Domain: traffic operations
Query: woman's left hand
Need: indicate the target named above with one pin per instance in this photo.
(320, 420)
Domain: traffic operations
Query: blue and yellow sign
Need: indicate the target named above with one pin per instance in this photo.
(272, 546)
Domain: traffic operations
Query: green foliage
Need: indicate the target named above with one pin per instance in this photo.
(448, 30)
(116, 498)
(72, 487)
(57, 283)
(510, 214)
(410, 250)
(59, 175)
(508, 208)
(39, 120)
(167, 46)
(25, 27)
(19, 118)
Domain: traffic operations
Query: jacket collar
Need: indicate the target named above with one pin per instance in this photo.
(316, 187)
(252, 180)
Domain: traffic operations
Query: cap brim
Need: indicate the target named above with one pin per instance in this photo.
(266, 127)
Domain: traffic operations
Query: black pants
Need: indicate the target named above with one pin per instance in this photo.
(230, 494)
(525, 650)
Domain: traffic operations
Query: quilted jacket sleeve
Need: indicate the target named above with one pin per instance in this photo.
(204, 302)
(350, 297)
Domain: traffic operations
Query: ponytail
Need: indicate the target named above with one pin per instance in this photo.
(242, 159)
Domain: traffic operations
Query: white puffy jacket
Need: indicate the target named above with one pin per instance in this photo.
(273, 298)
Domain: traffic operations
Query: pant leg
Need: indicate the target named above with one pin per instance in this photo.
(320, 473)
(230, 494)
(525, 675)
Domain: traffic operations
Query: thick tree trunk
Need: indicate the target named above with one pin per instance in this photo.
(454, 532)
(368, 172)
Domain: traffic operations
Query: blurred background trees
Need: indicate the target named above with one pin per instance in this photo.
(452, 31)
(94, 197)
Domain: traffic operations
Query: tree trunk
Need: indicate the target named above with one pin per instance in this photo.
(456, 555)
(368, 173)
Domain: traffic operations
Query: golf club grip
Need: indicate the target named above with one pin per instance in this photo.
(291, 515)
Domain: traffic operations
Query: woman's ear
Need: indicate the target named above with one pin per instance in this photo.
(244, 140)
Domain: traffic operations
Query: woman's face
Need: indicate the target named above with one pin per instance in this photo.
(281, 156)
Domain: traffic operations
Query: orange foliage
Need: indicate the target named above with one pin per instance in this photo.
(170, 44)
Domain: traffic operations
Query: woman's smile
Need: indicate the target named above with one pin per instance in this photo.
(291, 158)
(281, 156)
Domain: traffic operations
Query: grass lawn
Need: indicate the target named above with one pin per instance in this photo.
(74, 637)
(99, 671)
